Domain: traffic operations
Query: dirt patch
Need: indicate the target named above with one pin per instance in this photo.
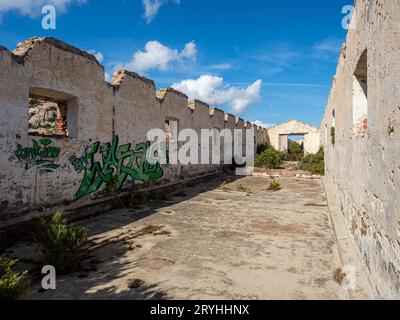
(135, 283)
(157, 263)
(273, 228)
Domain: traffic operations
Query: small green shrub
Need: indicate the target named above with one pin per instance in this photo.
(261, 148)
(333, 136)
(61, 244)
(112, 185)
(241, 187)
(295, 152)
(274, 186)
(314, 163)
(11, 287)
(295, 148)
(270, 159)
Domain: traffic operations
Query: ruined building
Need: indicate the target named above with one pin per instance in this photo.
(279, 136)
(66, 135)
(360, 132)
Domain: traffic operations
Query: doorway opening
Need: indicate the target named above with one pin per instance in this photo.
(295, 150)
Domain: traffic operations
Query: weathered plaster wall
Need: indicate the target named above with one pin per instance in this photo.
(279, 134)
(363, 168)
(98, 114)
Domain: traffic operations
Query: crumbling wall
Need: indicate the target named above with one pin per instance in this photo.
(107, 126)
(363, 161)
(279, 134)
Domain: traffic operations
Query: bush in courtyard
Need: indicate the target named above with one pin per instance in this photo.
(295, 148)
(270, 159)
(274, 186)
(295, 152)
(11, 287)
(314, 163)
(261, 148)
(61, 244)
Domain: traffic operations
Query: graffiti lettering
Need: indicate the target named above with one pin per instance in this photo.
(117, 164)
(41, 155)
(79, 163)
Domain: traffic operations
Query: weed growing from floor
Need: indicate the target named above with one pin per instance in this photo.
(269, 159)
(241, 187)
(274, 186)
(314, 163)
(11, 286)
(61, 244)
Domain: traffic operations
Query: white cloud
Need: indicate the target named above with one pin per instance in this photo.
(332, 45)
(190, 51)
(327, 49)
(221, 66)
(99, 56)
(33, 8)
(158, 56)
(151, 8)
(282, 55)
(263, 124)
(212, 90)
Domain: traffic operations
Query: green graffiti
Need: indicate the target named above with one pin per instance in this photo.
(40, 155)
(117, 164)
(79, 163)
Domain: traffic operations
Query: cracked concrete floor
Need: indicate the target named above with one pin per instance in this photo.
(235, 240)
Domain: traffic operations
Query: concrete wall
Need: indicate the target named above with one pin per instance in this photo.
(107, 126)
(279, 135)
(363, 166)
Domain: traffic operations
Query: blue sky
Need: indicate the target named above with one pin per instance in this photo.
(265, 60)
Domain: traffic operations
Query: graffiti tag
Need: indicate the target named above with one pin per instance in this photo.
(40, 155)
(116, 165)
(79, 164)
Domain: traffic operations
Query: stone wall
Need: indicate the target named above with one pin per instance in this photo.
(279, 135)
(106, 123)
(360, 131)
